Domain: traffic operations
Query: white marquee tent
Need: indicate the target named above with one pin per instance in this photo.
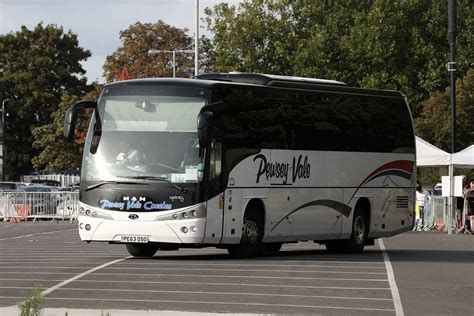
(430, 155)
(464, 158)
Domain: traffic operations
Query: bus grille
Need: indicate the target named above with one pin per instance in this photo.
(402, 201)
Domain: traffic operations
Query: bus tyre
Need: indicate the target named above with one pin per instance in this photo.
(356, 243)
(250, 243)
(360, 228)
(142, 250)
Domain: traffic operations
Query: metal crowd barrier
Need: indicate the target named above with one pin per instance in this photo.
(435, 214)
(55, 205)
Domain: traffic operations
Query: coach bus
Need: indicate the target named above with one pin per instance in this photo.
(245, 162)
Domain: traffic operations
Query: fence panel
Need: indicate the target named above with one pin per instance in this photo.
(435, 213)
(16, 206)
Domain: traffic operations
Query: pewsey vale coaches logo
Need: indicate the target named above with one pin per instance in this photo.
(134, 203)
(279, 172)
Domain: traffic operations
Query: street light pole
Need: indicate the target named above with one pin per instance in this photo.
(174, 51)
(174, 63)
(196, 42)
(452, 30)
(3, 137)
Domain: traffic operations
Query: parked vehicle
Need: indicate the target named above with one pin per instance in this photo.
(46, 182)
(11, 186)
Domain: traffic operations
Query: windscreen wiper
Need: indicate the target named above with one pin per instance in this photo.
(93, 186)
(157, 179)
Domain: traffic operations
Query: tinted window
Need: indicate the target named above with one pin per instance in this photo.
(284, 119)
(249, 118)
(351, 123)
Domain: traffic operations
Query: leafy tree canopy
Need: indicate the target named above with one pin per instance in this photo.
(134, 55)
(399, 45)
(37, 67)
(434, 123)
(55, 151)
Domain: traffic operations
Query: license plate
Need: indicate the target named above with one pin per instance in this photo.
(134, 238)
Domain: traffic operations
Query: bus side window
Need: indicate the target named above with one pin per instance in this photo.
(215, 166)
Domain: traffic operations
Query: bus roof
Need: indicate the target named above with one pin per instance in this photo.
(265, 80)
(275, 81)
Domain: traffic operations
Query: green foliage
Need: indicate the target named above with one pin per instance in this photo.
(138, 39)
(37, 67)
(102, 309)
(55, 151)
(428, 176)
(381, 44)
(434, 123)
(33, 304)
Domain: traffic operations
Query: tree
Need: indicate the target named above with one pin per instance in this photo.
(399, 45)
(37, 67)
(434, 123)
(55, 151)
(134, 55)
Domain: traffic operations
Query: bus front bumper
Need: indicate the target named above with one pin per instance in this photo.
(190, 231)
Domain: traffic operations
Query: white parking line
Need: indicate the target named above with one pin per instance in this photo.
(229, 293)
(186, 264)
(203, 269)
(391, 281)
(69, 256)
(318, 260)
(57, 286)
(148, 275)
(197, 275)
(37, 234)
(212, 303)
(219, 284)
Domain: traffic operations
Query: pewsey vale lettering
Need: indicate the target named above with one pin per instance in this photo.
(280, 170)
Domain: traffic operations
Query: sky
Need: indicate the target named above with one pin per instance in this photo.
(98, 22)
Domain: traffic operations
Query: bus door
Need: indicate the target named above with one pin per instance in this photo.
(215, 202)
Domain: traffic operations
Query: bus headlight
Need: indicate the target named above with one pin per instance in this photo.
(198, 211)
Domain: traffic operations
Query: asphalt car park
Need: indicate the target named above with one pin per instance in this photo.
(302, 279)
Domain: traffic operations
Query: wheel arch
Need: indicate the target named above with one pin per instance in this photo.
(255, 207)
(363, 205)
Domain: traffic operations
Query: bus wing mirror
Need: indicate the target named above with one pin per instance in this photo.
(70, 118)
(204, 121)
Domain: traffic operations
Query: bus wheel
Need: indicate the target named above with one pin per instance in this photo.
(142, 250)
(360, 230)
(250, 243)
(356, 243)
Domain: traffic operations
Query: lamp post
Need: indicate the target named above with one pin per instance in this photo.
(196, 41)
(174, 51)
(452, 32)
(3, 137)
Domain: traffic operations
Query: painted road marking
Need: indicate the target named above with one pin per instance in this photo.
(37, 234)
(57, 286)
(391, 281)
